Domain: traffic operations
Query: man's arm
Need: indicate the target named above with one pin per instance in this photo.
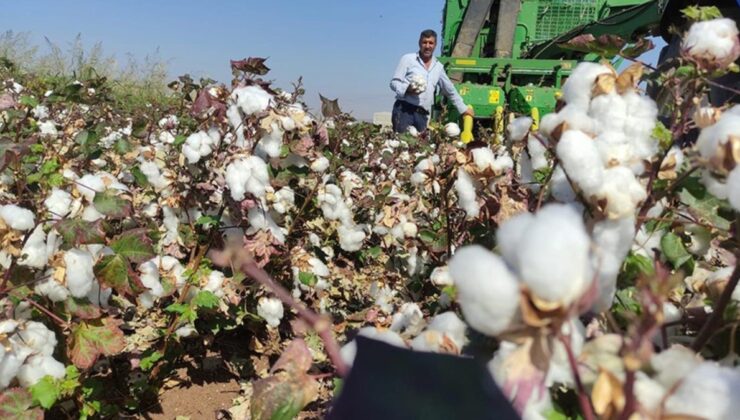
(448, 90)
(399, 84)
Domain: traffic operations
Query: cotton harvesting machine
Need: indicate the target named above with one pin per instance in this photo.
(505, 56)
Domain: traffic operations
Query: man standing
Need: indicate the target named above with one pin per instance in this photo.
(414, 83)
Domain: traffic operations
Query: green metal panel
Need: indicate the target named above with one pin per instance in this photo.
(523, 98)
(483, 98)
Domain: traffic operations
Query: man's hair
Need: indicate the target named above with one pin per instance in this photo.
(428, 33)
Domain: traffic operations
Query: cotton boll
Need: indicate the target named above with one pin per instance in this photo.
(351, 237)
(349, 350)
(170, 223)
(271, 310)
(733, 188)
(36, 367)
(581, 161)
(269, 145)
(622, 192)
(40, 112)
(519, 128)
(467, 199)
(259, 219)
(408, 316)
(449, 324)
(483, 158)
(713, 137)
(452, 129)
(247, 175)
(715, 187)
(51, 289)
(37, 337)
(215, 283)
(614, 148)
(252, 99)
(34, 250)
(441, 276)
(709, 391)
(320, 165)
(16, 217)
(48, 129)
(418, 83)
(712, 43)
(412, 131)
(609, 111)
(509, 234)
(284, 200)
(577, 88)
(574, 117)
(674, 364)
(10, 364)
(197, 146)
(537, 152)
(612, 241)
(59, 203)
(153, 175)
(99, 295)
(560, 187)
(555, 270)
(79, 272)
(186, 331)
(487, 291)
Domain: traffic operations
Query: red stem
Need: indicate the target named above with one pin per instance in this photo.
(583, 399)
(320, 324)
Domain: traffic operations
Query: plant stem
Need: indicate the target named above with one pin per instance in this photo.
(320, 324)
(62, 323)
(583, 400)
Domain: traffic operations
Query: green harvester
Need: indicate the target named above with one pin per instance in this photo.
(504, 56)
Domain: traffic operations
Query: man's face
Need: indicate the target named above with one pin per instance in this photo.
(426, 47)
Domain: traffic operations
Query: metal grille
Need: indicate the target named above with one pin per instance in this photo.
(556, 17)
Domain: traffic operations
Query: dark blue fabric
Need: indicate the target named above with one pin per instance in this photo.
(406, 115)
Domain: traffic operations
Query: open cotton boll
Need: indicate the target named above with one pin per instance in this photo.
(733, 188)
(622, 192)
(36, 336)
(441, 276)
(351, 237)
(38, 366)
(269, 144)
(519, 128)
(716, 135)
(509, 234)
(150, 277)
(467, 199)
(483, 158)
(417, 82)
(715, 186)
(34, 250)
(349, 350)
(252, 99)
(487, 291)
(271, 310)
(709, 391)
(284, 200)
(40, 112)
(171, 224)
(79, 271)
(612, 241)
(321, 164)
(90, 184)
(712, 43)
(51, 289)
(537, 153)
(409, 315)
(247, 175)
(452, 129)
(577, 88)
(99, 295)
(59, 203)
(560, 187)
(614, 148)
(16, 217)
(260, 219)
(443, 327)
(48, 129)
(555, 270)
(581, 161)
(214, 283)
(575, 119)
(609, 111)
(153, 175)
(197, 146)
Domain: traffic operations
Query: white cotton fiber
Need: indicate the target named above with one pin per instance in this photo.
(260, 219)
(199, 145)
(271, 310)
(350, 237)
(452, 129)
(38, 366)
(51, 289)
(487, 291)
(713, 42)
(16, 217)
(251, 99)
(577, 88)
(59, 203)
(320, 165)
(34, 253)
(622, 192)
(79, 271)
(553, 255)
(733, 188)
(708, 391)
(560, 187)
(581, 160)
(612, 241)
(519, 128)
(467, 199)
(247, 175)
(270, 143)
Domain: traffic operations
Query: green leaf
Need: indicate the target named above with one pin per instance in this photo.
(205, 299)
(78, 231)
(147, 362)
(134, 245)
(123, 146)
(91, 339)
(686, 71)
(699, 13)
(185, 311)
(110, 204)
(82, 308)
(29, 101)
(15, 404)
(309, 279)
(674, 250)
(704, 206)
(663, 135)
(207, 221)
(115, 271)
(45, 392)
(634, 266)
(541, 175)
(71, 381)
(139, 177)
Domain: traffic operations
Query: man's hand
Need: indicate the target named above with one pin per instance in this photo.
(469, 112)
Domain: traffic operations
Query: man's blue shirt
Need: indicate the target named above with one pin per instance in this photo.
(411, 64)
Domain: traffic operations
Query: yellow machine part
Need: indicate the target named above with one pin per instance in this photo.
(467, 131)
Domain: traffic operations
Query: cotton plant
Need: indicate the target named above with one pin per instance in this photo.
(27, 353)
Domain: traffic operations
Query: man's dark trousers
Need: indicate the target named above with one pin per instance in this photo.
(406, 115)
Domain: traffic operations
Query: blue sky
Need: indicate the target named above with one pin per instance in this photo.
(342, 48)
